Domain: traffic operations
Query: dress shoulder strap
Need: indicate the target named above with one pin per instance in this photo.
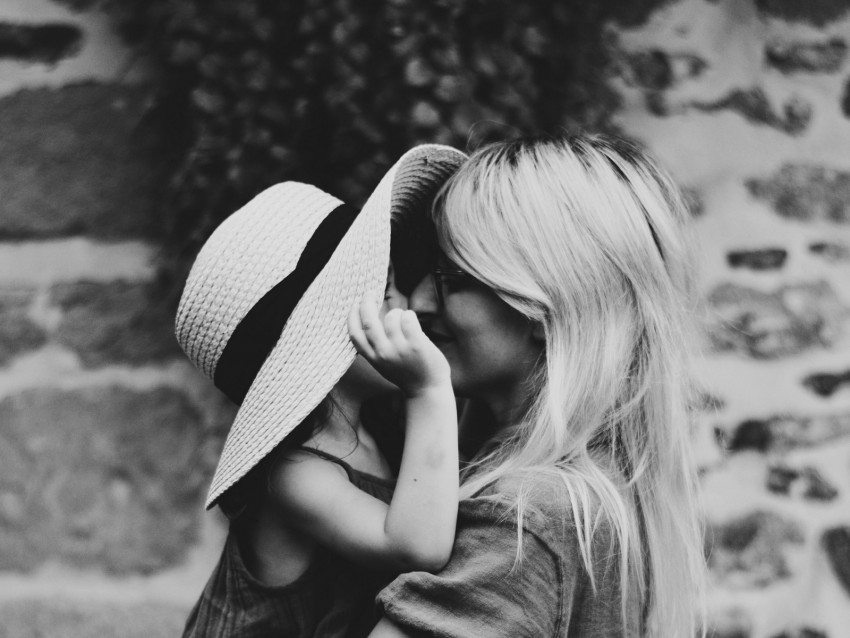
(350, 471)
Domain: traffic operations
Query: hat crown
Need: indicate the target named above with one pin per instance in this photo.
(246, 256)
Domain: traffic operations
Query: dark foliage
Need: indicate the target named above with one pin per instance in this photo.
(331, 92)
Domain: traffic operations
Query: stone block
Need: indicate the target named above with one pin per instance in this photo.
(707, 402)
(730, 623)
(801, 632)
(763, 325)
(816, 12)
(806, 482)
(818, 57)
(656, 70)
(825, 384)
(657, 104)
(786, 432)
(46, 43)
(116, 322)
(753, 104)
(836, 544)
(51, 618)
(750, 552)
(105, 478)
(650, 70)
(694, 201)
(780, 478)
(762, 259)
(845, 99)
(831, 251)
(752, 434)
(80, 5)
(79, 160)
(18, 333)
(817, 488)
(806, 192)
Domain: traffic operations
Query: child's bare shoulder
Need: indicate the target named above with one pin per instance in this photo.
(298, 476)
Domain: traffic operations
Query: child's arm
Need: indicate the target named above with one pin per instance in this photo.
(416, 531)
(422, 515)
(421, 518)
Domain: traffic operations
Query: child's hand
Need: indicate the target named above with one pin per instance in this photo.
(397, 348)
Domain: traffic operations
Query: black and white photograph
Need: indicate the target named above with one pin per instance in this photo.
(447, 319)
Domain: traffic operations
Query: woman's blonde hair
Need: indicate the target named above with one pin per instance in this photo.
(587, 236)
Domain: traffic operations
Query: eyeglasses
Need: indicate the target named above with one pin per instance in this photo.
(441, 277)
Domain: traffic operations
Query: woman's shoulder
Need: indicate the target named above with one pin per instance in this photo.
(540, 500)
(548, 502)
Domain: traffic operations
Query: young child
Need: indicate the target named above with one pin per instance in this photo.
(274, 302)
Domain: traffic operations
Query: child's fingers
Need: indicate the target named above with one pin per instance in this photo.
(373, 327)
(355, 332)
(410, 327)
(392, 327)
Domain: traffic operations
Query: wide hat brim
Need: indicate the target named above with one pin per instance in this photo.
(314, 349)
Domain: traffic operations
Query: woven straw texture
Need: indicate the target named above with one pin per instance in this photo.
(257, 247)
(247, 255)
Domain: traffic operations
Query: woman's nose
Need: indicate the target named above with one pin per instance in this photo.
(423, 299)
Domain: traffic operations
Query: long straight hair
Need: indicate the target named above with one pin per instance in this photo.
(588, 237)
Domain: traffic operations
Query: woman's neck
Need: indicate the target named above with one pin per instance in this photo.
(504, 414)
(484, 420)
(507, 407)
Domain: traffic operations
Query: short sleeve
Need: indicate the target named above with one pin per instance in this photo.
(482, 592)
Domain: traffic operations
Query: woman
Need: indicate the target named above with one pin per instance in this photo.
(560, 300)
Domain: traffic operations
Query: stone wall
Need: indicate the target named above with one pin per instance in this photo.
(747, 103)
(107, 435)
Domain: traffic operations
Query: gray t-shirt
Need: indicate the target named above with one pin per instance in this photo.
(482, 592)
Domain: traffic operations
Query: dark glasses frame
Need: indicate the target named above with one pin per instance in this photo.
(439, 278)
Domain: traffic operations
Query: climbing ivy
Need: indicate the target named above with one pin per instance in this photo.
(332, 91)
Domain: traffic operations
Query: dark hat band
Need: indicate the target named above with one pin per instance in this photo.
(259, 330)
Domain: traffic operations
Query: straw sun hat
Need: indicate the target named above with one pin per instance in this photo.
(264, 310)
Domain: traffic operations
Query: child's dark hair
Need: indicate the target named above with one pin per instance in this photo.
(244, 495)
